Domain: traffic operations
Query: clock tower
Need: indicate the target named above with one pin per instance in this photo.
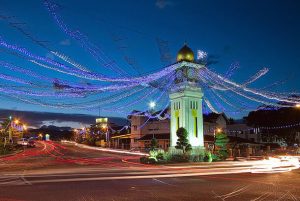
(186, 100)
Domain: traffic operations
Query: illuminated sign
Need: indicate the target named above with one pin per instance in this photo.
(101, 120)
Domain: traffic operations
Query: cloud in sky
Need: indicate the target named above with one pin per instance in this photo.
(163, 3)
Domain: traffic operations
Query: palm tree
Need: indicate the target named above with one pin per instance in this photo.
(5, 126)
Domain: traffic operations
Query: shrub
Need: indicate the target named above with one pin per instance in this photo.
(221, 142)
(167, 156)
(208, 157)
(152, 161)
(215, 157)
(8, 148)
(98, 143)
(223, 154)
(182, 141)
(160, 156)
(144, 160)
(180, 158)
(153, 154)
(154, 144)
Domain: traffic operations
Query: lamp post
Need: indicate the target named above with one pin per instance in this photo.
(24, 129)
(152, 105)
(216, 131)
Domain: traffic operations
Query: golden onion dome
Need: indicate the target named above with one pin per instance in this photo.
(185, 54)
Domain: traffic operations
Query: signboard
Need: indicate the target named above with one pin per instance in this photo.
(47, 137)
(101, 120)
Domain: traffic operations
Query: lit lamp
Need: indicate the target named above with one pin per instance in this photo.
(16, 121)
(298, 105)
(152, 105)
(25, 127)
(217, 130)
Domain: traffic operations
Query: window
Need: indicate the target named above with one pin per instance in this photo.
(134, 128)
(177, 123)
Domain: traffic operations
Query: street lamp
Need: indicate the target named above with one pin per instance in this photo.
(152, 105)
(16, 121)
(298, 105)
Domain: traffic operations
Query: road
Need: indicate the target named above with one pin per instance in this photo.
(54, 171)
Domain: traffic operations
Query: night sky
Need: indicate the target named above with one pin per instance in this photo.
(254, 33)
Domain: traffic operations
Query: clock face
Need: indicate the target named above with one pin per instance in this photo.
(179, 74)
(192, 73)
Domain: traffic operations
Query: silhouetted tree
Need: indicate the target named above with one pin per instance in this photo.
(221, 143)
(182, 142)
(154, 144)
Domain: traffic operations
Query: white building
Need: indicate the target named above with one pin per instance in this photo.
(244, 131)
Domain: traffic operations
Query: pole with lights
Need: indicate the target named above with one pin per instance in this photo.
(152, 105)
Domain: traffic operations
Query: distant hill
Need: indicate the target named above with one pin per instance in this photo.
(36, 119)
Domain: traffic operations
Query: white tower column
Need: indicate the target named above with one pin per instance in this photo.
(186, 100)
(186, 112)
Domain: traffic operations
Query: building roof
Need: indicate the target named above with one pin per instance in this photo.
(163, 136)
(185, 54)
(237, 127)
(212, 117)
(161, 113)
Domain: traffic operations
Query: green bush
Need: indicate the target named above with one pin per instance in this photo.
(215, 157)
(180, 158)
(152, 161)
(153, 154)
(208, 157)
(167, 156)
(160, 156)
(98, 143)
(7, 149)
(144, 160)
(223, 154)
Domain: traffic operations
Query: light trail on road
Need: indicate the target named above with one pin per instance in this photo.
(70, 163)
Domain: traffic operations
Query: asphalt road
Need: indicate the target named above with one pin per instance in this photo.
(258, 187)
(57, 172)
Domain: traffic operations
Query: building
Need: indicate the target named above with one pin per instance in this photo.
(243, 131)
(186, 100)
(213, 122)
(142, 133)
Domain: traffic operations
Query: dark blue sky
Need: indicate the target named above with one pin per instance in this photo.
(256, 33)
